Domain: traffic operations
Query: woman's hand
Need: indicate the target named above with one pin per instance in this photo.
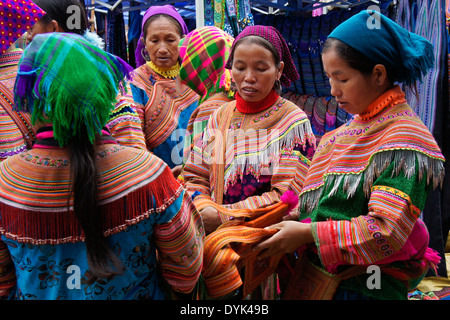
(291, 236)
(176, 170)
(211, 219)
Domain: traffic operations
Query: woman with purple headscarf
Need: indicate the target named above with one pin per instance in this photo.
(164, 104)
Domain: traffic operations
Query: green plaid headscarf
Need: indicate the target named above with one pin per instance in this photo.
(204, 52)
(64, 79)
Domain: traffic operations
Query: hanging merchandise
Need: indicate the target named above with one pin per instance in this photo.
(425, 18)
(209, 12)
(286, 31)
(116, 39)
(230, 21)
(232, 16)
(304, 54)
(245, 15)
(218, 13)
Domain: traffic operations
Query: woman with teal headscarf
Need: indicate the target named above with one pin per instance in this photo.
(359, 234)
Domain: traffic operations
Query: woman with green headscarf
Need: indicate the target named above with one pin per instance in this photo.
(360, 235)
(69, 16)
(81, 217)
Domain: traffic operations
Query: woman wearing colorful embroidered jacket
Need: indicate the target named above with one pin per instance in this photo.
(267, 140)
(164, 103)
(82, 217)
(16, 132)
(369, 179)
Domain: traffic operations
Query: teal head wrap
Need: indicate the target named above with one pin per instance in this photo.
(65, 80)
(383, 41)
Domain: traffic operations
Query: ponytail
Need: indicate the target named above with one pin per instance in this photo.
(103, 262)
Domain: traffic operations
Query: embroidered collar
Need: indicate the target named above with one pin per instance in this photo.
(391, 97)
(169, 73)
(255, 107)
(46, 140)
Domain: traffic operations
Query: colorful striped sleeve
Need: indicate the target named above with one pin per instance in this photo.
(394, 206)
(125, 124)
(196, 171)
(140, 99)
(180, 244)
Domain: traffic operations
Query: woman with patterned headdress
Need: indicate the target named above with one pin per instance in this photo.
(69, 16)
(255, 150)
(81, 217)
(16, 132)
(164, 103)
(360, 234)
(204, 52)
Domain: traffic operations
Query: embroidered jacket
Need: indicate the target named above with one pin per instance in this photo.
(365, 190)
(16, 132)
(124, 124)
(164, 106)
(148, 219)
(266, 154)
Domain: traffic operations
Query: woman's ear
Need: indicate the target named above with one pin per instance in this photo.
(280, 69)
(380, 74)
(56, 27)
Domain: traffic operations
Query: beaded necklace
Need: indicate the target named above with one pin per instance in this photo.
(169, 73)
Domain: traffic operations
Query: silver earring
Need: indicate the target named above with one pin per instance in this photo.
(277, 86)
(145, 55)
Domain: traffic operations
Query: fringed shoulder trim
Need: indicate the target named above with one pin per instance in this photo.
(250, 150)
(126, 198)
(404, 161)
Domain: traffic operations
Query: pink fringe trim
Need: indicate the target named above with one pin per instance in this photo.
(291, 199)
(433, 258)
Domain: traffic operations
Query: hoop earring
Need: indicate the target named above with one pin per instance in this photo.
(277, 83)
(277, 86)
(233, 86)
(145, 55)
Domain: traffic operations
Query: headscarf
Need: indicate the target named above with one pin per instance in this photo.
(64, 79)
(155, 10)
(17, 16)
(383, 41)
(272, 35)
(203, 54)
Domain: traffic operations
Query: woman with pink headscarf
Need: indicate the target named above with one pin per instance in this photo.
(16, 131)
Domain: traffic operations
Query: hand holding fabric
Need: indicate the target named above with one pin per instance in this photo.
(291, 236)
(211, 219)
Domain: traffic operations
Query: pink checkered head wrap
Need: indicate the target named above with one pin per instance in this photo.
(272, 35)
(204, 52)
(16, 17)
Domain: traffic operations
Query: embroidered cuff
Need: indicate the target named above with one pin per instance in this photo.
(325, 235)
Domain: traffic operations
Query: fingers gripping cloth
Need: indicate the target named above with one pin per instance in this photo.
(227, 251)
